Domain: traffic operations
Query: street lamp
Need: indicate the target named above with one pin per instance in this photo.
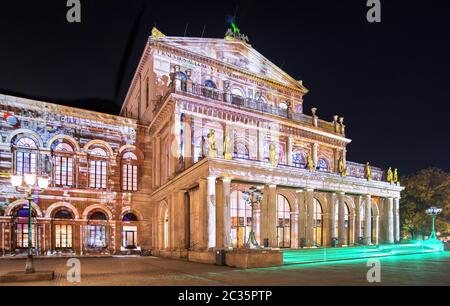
(433, 212)
(28, 181)
(249, 197)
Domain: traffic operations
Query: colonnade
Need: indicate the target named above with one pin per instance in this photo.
(201, 219)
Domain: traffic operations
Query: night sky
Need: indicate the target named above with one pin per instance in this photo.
(389, 80)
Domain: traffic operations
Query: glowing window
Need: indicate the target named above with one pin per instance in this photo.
(284, 222)
(299, 161)
(323, 165)
(63, 236)
(241, 220)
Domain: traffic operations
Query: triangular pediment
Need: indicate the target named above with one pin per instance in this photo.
(236, 53)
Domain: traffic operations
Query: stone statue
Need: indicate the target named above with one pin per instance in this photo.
(273, 155)
(212, 144)
(310, 163)
(390, 175)
(396, 180)
(342, 168)
(368, 172)
(226, 149)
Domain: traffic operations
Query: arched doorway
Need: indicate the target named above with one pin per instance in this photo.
(97, 232)
(63, 227)
(241, 220)
(284, 222)
(130, 232)
(318, 223)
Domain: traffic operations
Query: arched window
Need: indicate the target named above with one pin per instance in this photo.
(63, 233)
(318, 223)
(210, 84)
(241, 151)
(129, 232)
(237, 96)
(63, 161)
(323, 165)
(98, 161)
(284, 222)
(98, 216)
(130, 217)
(241, 220)
(299, 161)
(26, 156)
(63, 214)
(129, 172)
(283, 106)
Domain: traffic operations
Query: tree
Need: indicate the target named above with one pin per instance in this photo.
(429, 187)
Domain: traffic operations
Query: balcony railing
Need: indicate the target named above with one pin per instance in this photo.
(244, 103)
(359, 171)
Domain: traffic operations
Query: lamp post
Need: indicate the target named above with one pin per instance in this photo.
(433, 212)
(28, 182)
(249, 197)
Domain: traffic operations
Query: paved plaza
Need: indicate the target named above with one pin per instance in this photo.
(431, 269)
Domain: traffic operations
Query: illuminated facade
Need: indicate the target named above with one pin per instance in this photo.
(222, 119)
(95, 203)
(208, 120)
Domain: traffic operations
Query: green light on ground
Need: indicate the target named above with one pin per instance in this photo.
(339, 254)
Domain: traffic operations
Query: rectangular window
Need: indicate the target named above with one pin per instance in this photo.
(96, 237)
(22, 236)
(63, 171)
(63, 236)
(26, 163)
(97, 174)
(129, 178)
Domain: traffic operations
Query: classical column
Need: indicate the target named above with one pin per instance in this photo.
(211, 212)
(389, 220)
(332, 225)
(309, 202)
(302, 218)
(357, 227)
(294, 230)
(289, 152)
(261, 136)
(315, 154)
(179, 211)
(341, 220)
(397, 220)
(368, 220)
(223, 213)
(187, 130)
(269, 216)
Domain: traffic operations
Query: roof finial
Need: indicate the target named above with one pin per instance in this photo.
(157, 33)
(234, 33)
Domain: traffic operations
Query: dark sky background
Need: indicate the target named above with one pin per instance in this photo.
(390, 80)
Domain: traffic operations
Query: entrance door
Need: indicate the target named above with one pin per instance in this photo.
(129, 237)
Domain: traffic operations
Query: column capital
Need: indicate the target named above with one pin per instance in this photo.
(226, 179)
(309, 189)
